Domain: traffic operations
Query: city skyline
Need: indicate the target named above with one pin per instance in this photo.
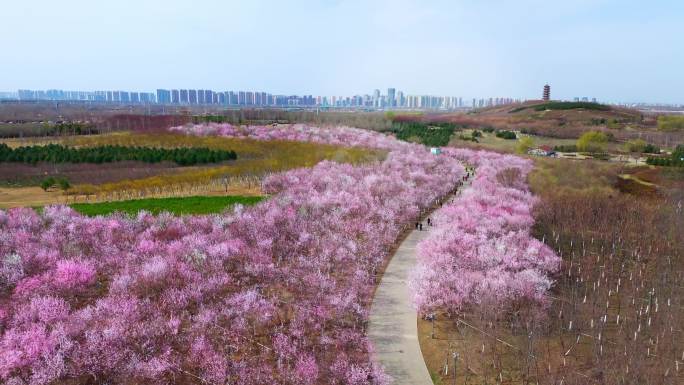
(375, 100)
(620, 51)
(392, 99)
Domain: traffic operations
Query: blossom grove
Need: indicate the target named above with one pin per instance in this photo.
(482, 249)
(275, 293)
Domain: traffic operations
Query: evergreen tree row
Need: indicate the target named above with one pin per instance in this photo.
(433, 134)
(55, 153)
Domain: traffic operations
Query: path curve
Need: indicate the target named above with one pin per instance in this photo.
(393, 326)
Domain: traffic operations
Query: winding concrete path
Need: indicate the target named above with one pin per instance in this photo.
(393, 326)
(393, 322)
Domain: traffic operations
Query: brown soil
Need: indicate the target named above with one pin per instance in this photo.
(473, 365)
(28, 196)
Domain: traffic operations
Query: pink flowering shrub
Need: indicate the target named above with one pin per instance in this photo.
(11, 270)
(71, 274)
(277, 293)
(481, 249)
(343, 136)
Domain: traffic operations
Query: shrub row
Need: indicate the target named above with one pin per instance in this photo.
(55, 153)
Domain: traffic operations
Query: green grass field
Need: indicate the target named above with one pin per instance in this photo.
(177, 206)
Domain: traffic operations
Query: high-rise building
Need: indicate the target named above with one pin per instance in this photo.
(184, 96)
(146, 97)
(391, 102)
(192, 96)
(547, 93)
(376, 98)
(25, 94)
(175, 97)
(163, 96)
(232, 98)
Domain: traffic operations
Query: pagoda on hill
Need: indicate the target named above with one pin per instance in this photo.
(547, 93)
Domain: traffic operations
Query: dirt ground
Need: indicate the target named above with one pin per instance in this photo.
(481, 358)
(28, 196)
(492, 354)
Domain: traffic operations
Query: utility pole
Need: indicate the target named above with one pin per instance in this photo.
(431, 317)
(455, 355)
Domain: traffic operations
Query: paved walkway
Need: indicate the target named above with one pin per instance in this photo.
(393, 322)
(393, 326)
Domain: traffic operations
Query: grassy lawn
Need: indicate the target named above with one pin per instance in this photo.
(177, 206)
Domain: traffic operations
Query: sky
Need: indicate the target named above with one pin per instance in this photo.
(614, 50)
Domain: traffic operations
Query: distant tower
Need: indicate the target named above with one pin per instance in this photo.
(391, 99)
(547, 93)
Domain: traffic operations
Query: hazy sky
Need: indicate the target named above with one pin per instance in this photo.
(614, 50)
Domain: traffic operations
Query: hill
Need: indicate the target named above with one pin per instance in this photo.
(567, 120)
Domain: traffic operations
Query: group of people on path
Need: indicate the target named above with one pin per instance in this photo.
(419, 225)
(469, 170)
(467, 175)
